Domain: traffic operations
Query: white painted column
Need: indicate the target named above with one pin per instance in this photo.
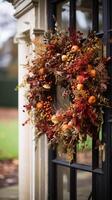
(33, 166)
(26, 143)
(41, 169)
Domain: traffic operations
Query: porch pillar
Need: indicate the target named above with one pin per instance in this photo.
(33, 165)
(26, 142)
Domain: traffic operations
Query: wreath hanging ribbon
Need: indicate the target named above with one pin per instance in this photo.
(77, 65)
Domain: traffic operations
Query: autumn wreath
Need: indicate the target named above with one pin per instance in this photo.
(77, 65)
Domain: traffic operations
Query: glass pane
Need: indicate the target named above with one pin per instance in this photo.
(100, 16)
(60, 155)
(84, 16)
(62, 100)
(63, 9)
(84, 185)
(62, 183)
(101, 155)
(84, 156)
(101, 149)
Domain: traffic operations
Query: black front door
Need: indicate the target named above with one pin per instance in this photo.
(90, 175)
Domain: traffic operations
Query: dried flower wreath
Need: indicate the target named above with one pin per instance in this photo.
(78, 66)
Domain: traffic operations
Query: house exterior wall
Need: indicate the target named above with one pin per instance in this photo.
(33, 173)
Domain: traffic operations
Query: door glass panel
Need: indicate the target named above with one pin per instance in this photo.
(101, 155)
(60, 155)
(84, 185)
(84, 153)
(100, 16)
(63, 183)
(84, 16)
(63, 9)
(101, 152)
(62, 100)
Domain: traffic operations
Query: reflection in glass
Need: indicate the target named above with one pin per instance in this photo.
(63, 10)
(84, 154)
(101, 149)
(62, 100)
(84, 185)
(84, 157)
(84, 16)
(60, 155)
(100, 16)
(62, 183)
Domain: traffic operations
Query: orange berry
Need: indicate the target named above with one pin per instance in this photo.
(74, 48)
(80, 78)
(92, 73)
(39, 105)
(59, 116)
(92, 100)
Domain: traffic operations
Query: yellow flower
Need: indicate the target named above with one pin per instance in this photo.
(64, 58)
(46, 86)
(80, 86)
(54, 119)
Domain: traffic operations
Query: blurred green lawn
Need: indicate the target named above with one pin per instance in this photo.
(86, 145)
(8, 139)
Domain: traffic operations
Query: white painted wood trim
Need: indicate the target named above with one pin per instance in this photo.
(23, 6)
(26, 133)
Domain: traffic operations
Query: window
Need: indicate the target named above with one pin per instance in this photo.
(79, 14)
(84, 16)
(63, 9)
